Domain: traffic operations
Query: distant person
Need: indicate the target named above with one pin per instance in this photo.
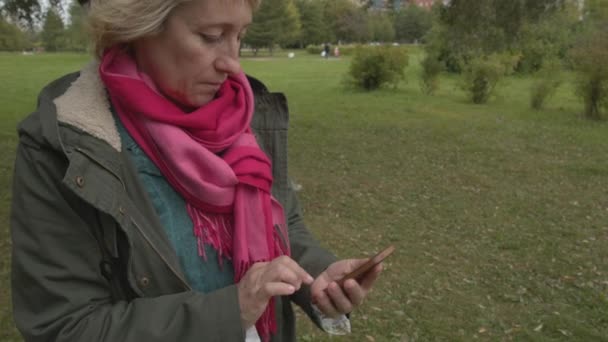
(336, 51)
(151, 200)
(326, 50)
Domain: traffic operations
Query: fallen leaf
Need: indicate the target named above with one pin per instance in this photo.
(539, 328)
(370, 338)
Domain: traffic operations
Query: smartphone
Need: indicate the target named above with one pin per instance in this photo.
(359, 272)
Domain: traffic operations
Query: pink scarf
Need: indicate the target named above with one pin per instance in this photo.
(212, 159)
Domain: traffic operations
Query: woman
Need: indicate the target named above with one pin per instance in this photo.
(144, 208)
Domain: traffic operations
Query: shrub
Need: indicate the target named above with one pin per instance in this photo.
(347, 50)
(374, 67)
(588, 59)
(429, 80)
(509, 61)
(314, 49)
(549, 78)
(481, 76)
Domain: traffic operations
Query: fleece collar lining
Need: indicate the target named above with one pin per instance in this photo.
(85, 105)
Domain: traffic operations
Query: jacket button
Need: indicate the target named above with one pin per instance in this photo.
(121, 210)
(144, 282)
(80, 181)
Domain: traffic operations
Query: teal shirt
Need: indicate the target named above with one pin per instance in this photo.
(203, 275)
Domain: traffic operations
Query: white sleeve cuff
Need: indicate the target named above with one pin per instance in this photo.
(333, 326)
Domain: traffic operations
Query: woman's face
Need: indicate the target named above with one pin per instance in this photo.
(197, 49)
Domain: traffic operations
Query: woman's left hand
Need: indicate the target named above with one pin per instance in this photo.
(334, 300)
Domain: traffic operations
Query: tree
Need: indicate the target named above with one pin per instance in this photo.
(412, 24)
(11, 37)
(314, 28)
(491, 19)
(52, 34)
(290, 23)
(547, 38)
(589, 58)
(346, 20)
(354, 27)
(75, 34)
(24, 12)
(275, 22)
(472, 25)
(381, 27)
(535, 9)
(470, 28)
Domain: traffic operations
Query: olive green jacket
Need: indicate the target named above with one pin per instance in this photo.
(91, 261)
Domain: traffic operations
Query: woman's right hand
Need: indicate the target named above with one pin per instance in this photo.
(264, 280)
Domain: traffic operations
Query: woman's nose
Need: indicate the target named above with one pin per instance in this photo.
(228, 65)
(228, 62)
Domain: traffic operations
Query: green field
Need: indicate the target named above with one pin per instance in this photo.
(499, 213)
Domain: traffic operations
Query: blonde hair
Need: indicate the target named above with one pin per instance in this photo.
(112, 22)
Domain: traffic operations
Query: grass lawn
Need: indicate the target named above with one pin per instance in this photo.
(499, 213)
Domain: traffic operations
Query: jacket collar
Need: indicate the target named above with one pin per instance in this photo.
(85, 105)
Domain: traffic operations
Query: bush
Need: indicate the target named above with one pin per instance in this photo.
(481, 76)
(314, 49)
(429, 80)
(347, 50)
(509, 61)
(588, 59)
(374, 67)
(549, 79)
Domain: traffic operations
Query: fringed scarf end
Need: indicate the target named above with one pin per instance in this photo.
(214, 230)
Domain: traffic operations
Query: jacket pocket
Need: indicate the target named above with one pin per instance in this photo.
(115, 256)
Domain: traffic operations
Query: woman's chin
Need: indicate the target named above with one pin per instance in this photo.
(192, 103)
(198, 101)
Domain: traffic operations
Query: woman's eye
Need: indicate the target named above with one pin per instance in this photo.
(211, 38)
